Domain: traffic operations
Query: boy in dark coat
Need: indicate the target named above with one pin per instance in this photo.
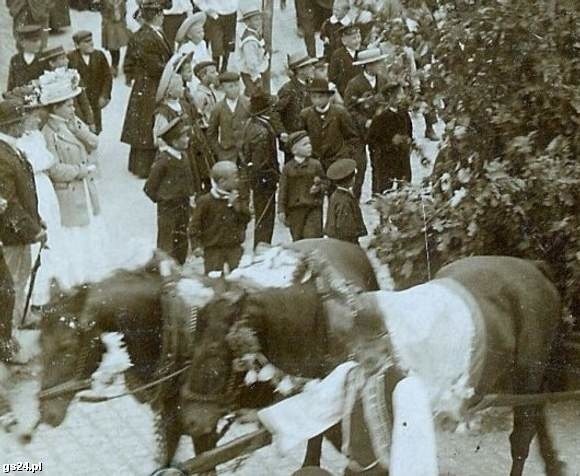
(220, 219)
(95, 73)
(171, 186)
(344, 219)
(301, 190)
(341, 69)
(26, 65)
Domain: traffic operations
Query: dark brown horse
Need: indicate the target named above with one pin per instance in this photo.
(489, 322)
(132, 302)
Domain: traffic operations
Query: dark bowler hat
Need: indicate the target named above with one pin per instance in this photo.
(174, 130)
(294, 138)
(311, 471)
(348, 29)
(52, 53)
(83, 35)
(30, 32)
(341, 169)
(260, 103)
(199, 67)
(229, 77)
(11, 111)
(318, 85)
(299, 60)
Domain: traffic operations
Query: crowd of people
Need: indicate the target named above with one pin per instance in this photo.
(203, 133)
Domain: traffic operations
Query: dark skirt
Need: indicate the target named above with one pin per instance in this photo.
(60, 15)
(115, 34)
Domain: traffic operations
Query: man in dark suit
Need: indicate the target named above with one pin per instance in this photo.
(95, 73)
(366, 99)
(341, 69)
(147, 54)
(293, 96)
(26, 65)
(228, 118)
(20, 223)
(329, 126)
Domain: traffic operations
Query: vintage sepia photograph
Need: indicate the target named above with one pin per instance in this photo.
(290, 237)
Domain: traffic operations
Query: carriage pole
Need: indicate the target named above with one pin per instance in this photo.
(267, 22)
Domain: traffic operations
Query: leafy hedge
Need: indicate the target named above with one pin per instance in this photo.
(507, 178)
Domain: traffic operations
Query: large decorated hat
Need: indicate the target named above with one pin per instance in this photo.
(28, 95)
(195, 19)
(58, 86)
(318, 85)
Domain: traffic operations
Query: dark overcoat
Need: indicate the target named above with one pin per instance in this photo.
(362, 100)
(332, 134)
(20, 223)
(226, 128)
(60, 15)
(21, 73)
(147, 54)
(341, 69)
(344, 219)
(96, 78)
(293, 97)
(259, 148)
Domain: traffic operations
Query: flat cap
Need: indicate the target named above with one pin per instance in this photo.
(82, 35)
(348, 29)
(294, 138)
(341, 169)
(229, 77)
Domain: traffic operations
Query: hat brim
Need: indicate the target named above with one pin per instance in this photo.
(300, 64)
(185, 26)
(58, 99)
(376, 59)
(172, 67)
(249, 15)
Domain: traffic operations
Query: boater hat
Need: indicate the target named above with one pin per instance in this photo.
(196, 18)
(371, 55)
(299, 60)
(341, 169)
(52, 53)
(81, 36)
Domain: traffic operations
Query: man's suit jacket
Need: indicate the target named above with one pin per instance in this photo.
(341, 69)
(21, 73)
(96, 78)
(362, 100)
(293, 97)
(226, 128)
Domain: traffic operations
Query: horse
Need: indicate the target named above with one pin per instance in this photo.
(483, 324)
(135, 303)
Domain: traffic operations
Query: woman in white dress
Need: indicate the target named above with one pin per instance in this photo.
(73, 175)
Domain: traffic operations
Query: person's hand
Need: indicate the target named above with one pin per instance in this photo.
(103, 101)
(282, 218)
(192, 201)
(368, 123)
(284, 137)
(3, 204)
(233, 197)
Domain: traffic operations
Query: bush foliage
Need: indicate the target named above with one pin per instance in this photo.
(507, 178)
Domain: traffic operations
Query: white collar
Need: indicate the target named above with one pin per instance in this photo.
(324, 110)
(232, 103)
(86, 58)
(344, 189)
(345, 20)
(171, 151)
(174, 104)
(352, 53)
(28, 57)
(300, 160)
(370, 78)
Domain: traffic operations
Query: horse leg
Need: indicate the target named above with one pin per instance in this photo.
(313, 452)
(554, 466)
(168, 433)
(205, 443)
(523, 432)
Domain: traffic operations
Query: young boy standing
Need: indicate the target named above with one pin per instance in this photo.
(344, 219)
(220, 219)
(171, 186)
(301, 190)
(204, 96)
(254, 59)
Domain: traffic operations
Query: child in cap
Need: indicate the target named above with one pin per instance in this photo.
(344, 219)
(26, 65)
(341, 69)
(204, 95)
(254, 59)
(220, 219)
(301, 190)
(171, 186)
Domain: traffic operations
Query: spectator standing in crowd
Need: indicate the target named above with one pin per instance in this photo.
(31, 12)
(26, 65)
(293, 96)
(228, 118)
(190, 38)
(57, 59)
(114, 32)
(220, 29)
(341, 69)
(301, 190)
(253, 58)
(171, 186)
(174, 16)
(310, 15)
(363, 99)
(147, 54)
(95, 73)
(204, 96)
(20, 223)
(220, 219)
(344, 220)
(59, 15)
(330, 29)
(7, 345)
(321, 72)
(70, 141)
(260, 161)
(329, 126)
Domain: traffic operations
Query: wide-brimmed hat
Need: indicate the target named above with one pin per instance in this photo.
(299, 60)
(368, 56)
(174, 129)
(199, 67)
(81, 36)
(196, 18)
(341, 169)
(29, 32)
(52, 53)
(11, 111)
(261, 102)
(246, 15)
(318, 85)
(294, 138)
(171, 68)
(58, 86)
